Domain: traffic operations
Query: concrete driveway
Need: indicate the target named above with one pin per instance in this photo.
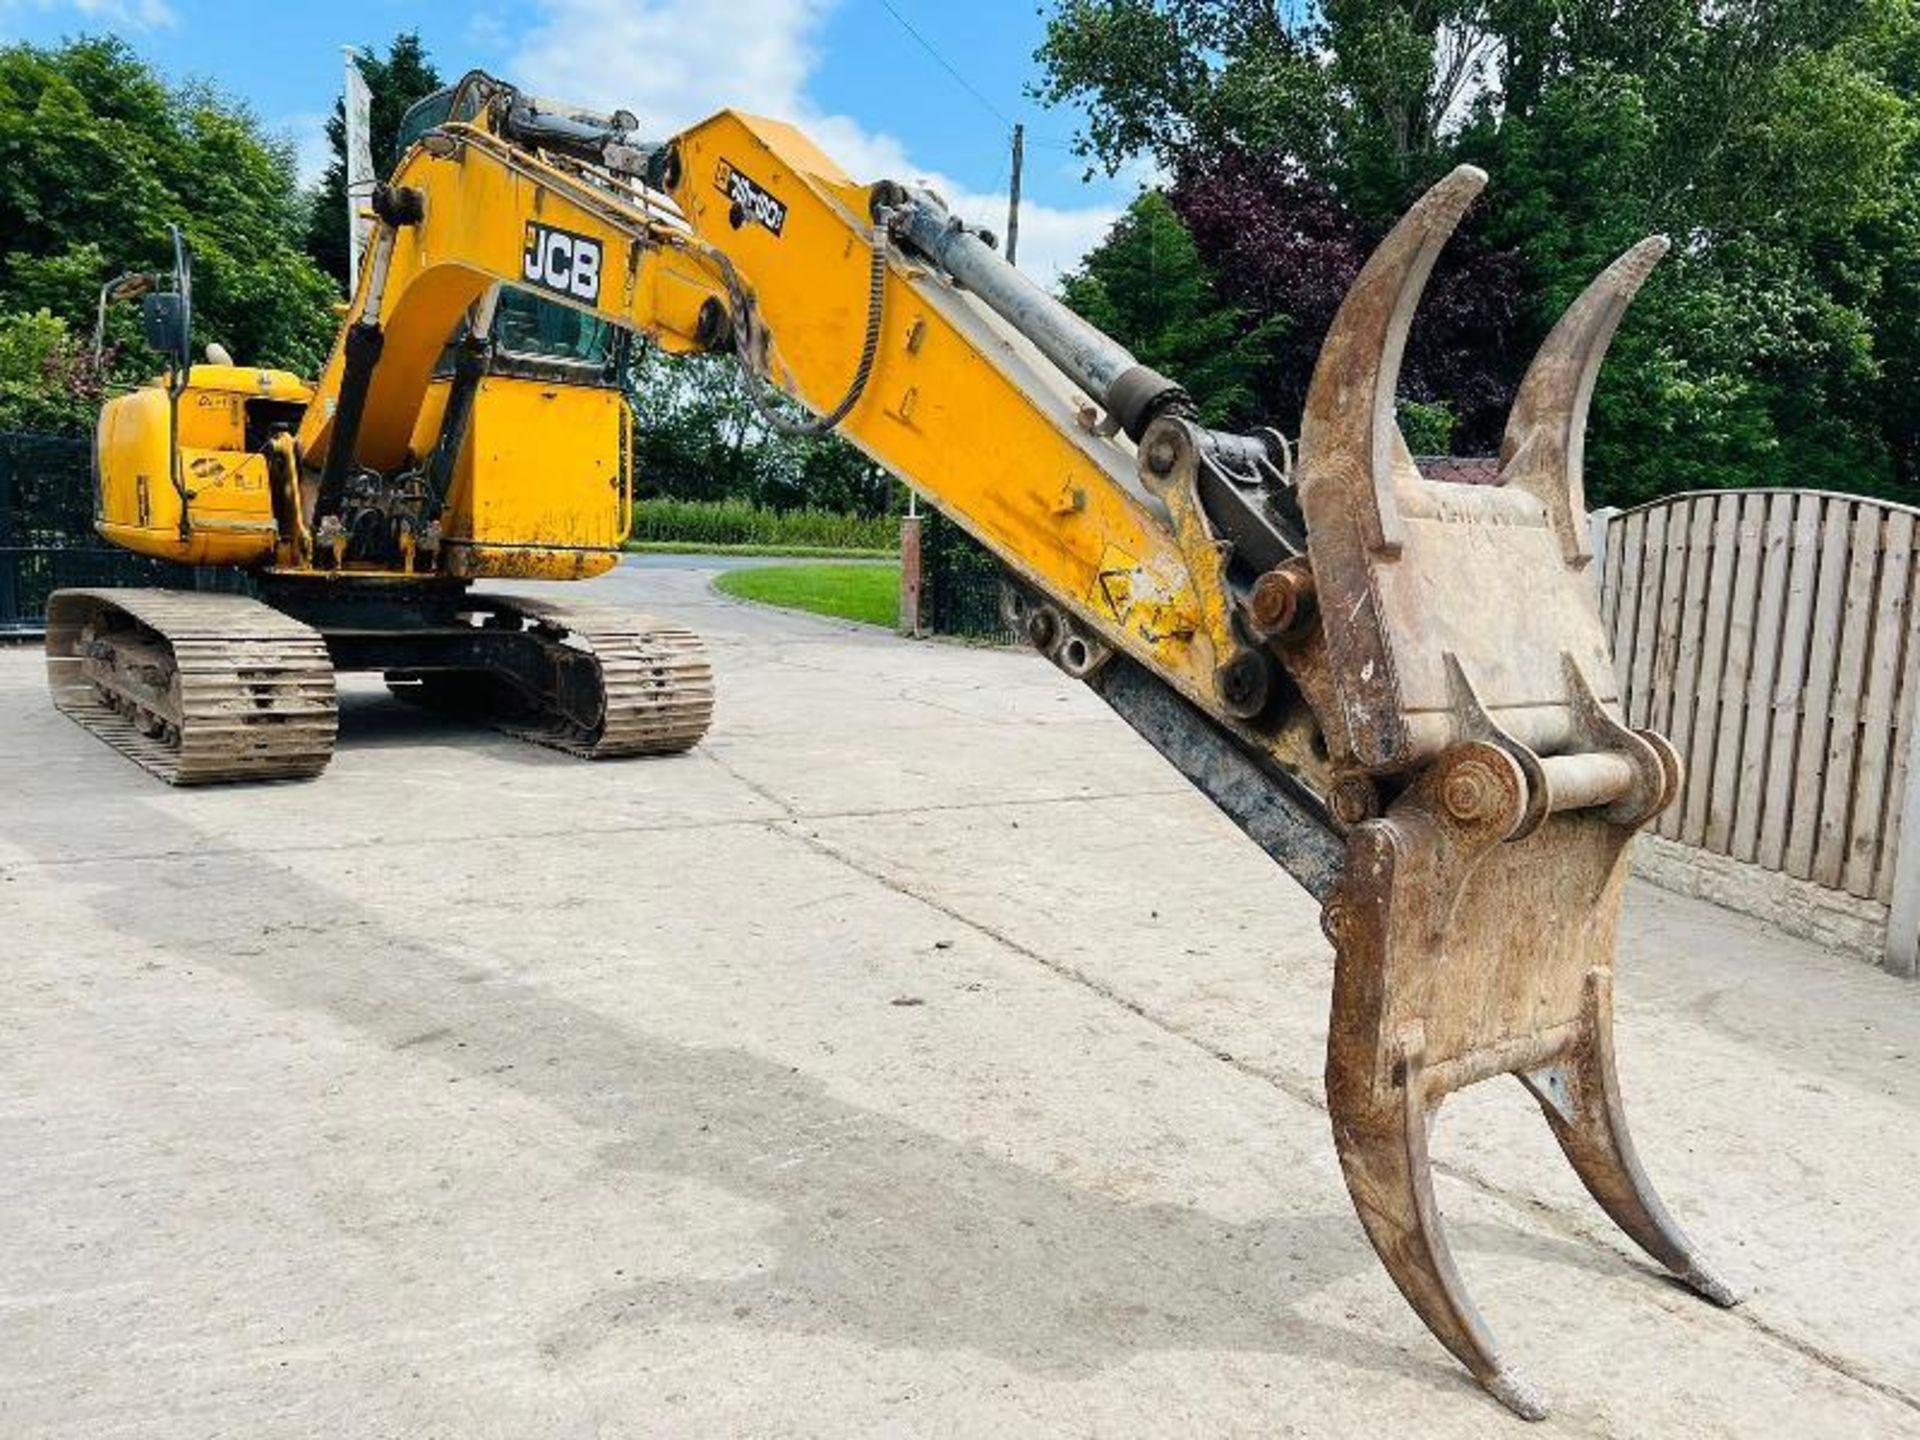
(918, 1057)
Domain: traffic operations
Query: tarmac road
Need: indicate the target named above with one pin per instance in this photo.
(917, 1057)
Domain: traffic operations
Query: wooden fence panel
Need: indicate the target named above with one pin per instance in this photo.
(1673, 586)
(1647, 617)
(1709, 683)
(1683, 674)
(1731, 762)
(1768, 624)
(1816, 696)
(1831, 829)
(1867, 834)
(1610, 558)
(1789, 680)
(1768, 634)
(1900, 782)
(1620, 590)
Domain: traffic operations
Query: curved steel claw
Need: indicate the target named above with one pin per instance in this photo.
(1383, 1155)
(1580, 1095)
(1474, 922)
(1543, 450)
(1350, 412)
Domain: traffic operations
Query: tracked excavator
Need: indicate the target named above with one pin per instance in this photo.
(1397, 687)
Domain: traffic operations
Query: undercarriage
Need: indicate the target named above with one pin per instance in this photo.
(201, 688)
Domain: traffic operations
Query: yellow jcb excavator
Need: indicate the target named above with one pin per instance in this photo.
(1398, 688)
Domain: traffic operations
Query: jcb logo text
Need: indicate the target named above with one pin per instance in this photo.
(563, 262)
(751, 204)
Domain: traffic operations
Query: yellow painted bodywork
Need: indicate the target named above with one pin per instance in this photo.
(231, 505)
(478, 204)
(543, 488)
(957, 405)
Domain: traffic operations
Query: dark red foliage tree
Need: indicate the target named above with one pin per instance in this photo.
(1280, 243)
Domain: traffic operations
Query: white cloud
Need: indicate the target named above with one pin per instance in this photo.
(1052, 239)
(120, 14)
(675, 62)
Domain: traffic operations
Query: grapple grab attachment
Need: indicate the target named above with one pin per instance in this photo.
(1488, 788)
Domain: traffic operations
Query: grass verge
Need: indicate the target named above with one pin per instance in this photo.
(807, 552)
(867, 593)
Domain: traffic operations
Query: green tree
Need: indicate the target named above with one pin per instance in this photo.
(700, 438)
(49, 380)
(1352, 90)
(1146, 286)
(97, 155)
(395, 83)
(1769, 141)
(1774, 139)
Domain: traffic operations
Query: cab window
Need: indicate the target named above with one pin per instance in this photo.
(534, 337)
(422, 117)
(525, 325)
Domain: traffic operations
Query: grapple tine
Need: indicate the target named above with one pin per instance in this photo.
(1543, 449)
(1401, 878)
(1463, 684)
(1580, 1095)
(1350, 404)
(1383, 1155)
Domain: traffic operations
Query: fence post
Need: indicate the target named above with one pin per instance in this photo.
(1903, 920)
(909, 622)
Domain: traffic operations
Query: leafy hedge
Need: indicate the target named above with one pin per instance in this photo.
(735, 522)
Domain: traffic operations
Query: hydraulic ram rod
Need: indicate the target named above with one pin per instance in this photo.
(1133, 393)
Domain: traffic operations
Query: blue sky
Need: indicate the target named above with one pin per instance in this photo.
(850, 71)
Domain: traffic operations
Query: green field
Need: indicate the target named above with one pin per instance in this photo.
(867, 593)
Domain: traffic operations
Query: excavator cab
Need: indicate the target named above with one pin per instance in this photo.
(554, 371)
(186, 471)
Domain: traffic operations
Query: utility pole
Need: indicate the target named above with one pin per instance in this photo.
(1013, 193)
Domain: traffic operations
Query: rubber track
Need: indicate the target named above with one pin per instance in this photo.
(656, 682)
(256, 687)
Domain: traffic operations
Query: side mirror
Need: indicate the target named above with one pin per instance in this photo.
(164, 317)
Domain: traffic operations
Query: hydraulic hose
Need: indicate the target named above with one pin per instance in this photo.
(760, 392)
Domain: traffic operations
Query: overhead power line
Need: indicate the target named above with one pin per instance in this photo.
(945, 64)
(963, 82)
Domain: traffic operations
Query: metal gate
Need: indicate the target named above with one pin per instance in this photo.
(961, 583)
(47, 541)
